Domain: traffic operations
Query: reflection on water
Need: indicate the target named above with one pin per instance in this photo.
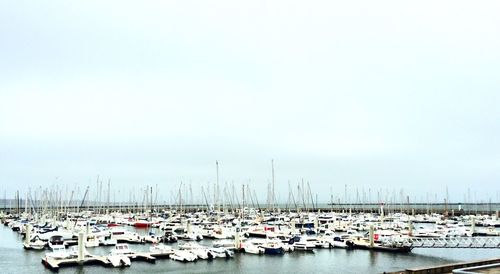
(14, 259)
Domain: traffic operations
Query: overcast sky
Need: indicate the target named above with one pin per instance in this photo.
(383, 95)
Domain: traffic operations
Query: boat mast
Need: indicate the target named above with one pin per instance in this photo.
(109, 193)
(272, 186)
(216, 190)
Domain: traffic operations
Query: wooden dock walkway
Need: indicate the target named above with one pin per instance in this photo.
(142, 256)
(55, 264)
(447, 268)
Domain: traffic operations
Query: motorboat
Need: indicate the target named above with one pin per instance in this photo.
(221, 252)
(161, 249)
(56, 241)
(303, 246)
(152, 238)
(73, 252)
(119, 256)
(183, 256)
(58, 252)
(92, 242)
(189, 246)
(193, 236)
(272, 247)
(119, 260)
(107, 241)
(339, 242)
(169, 237)
(223, 243)
(122, 235)
(253, 249)
(122, 249)
(36, 244)
(201, 253)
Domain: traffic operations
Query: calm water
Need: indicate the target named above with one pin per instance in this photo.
(14, 259)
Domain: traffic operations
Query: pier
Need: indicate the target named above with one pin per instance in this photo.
(55, 264)
(449, 268)
(455, 242)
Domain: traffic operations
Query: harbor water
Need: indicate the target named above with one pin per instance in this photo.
(14, 259)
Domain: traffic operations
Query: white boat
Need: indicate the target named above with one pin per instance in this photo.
(339, 242)
(324, 243)
(183, 256)
(36, 245)
(220, 252)
(119, 255)
(223, 243)
(303, 246)
(193, 236)
(201, 253)
(152, 238)
(107, 241)
(56, 241)
(121, 235)
(119, 260)
(161, 249)
(58, 252)
(73, 251)
(253, 249)
(189, 246)
(92, 242)
(287, 247)
(59, 235)
(122, 249)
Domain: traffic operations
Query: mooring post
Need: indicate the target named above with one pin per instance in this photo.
(27, 235)
(81, 247)
(410, 228)
(188, 227)
(371, 236)
(237, 238)
(87, 232)
(473, 225)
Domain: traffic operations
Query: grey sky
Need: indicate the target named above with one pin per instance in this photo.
(378, 95)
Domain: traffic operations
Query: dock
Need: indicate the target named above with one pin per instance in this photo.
(448, 268)
(140, 256)
(54, 264)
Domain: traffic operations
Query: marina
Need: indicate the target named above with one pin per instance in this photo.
(88, 239)
(249, 137)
